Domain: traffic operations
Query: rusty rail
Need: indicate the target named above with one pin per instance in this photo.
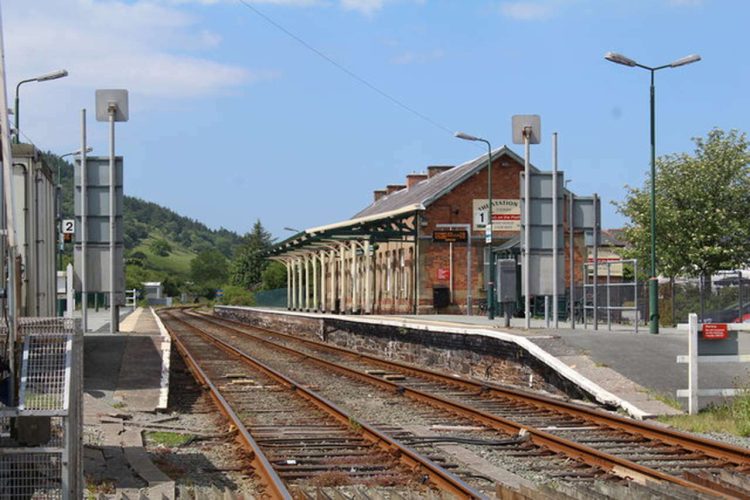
(606, 461)
(716, 449)
(438, 476)
(260, 463)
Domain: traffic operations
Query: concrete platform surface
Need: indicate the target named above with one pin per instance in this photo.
(124, 374)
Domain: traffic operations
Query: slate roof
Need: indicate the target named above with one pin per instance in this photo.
(427, 191)
(613, 238)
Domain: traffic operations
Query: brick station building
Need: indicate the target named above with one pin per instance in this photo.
(386, 260)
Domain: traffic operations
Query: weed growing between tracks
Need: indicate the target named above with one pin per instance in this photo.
(169, 439)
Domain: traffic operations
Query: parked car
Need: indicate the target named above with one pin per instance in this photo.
(744, 319)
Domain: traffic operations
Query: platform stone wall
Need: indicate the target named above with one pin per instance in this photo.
(478, 356)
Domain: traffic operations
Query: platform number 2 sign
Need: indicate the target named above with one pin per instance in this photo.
(68, 226)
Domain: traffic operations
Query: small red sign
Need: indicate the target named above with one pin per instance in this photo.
(715, 331)
(443, 273)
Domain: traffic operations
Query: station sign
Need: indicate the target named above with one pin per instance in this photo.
(68, 226)
(443, 273)
(450, 235)
(715, 331)
(506, 214)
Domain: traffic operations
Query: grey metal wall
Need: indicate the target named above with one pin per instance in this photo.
(34, 202)
(97, 227)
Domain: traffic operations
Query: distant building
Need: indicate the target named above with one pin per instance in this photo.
(152, 290)
(611, 245)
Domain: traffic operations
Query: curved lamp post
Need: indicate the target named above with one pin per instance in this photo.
(61, 73)
(653, 284)
(488, 226)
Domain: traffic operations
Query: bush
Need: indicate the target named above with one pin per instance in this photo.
(237, 296)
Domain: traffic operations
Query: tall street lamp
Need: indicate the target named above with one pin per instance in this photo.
(61, 73)
(488, 225)
(653, 285)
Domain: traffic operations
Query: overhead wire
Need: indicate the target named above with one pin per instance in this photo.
(343, 68)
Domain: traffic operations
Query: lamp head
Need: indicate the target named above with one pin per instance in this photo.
(620, 59)
(685, 60)
(61, 73)
(465, 136)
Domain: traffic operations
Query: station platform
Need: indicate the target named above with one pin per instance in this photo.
(634, 371)
(126, 378)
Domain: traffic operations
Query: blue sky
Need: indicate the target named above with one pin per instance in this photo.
(232, 120)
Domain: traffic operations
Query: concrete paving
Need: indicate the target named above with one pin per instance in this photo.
(123, 375)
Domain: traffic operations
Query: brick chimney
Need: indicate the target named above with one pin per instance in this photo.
(414, 179)
(378, 193)
(434, 170)
(392, 188)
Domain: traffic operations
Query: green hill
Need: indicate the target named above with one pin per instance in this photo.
(150, 230)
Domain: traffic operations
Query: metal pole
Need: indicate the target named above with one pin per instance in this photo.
(555, 257)
(84, 231)
(596, 263)
(546, 311)
(653, 286)
(469, 299)
(490, 230)
(609, 310)
(571, 264)
(635, 294)
(16, 111)
(113, 316)
(527, 232)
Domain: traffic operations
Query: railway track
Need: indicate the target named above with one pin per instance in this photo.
(298, 441)
(627, 448)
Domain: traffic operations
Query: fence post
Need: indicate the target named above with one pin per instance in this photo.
(739, 296)
(609, 305)
(635, 294)
(693, 363)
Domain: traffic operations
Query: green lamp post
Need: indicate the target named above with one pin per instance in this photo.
(653, 284)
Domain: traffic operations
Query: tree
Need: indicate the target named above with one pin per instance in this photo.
(273, 276)
(249, 261)
(160, 247)
(209, 271)
(702, 206)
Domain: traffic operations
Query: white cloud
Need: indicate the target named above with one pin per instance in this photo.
(528, 10)
(145, 46)
(158, 51)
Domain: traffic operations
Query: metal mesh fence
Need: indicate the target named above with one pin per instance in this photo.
(271, 298)
(28, 475)
(45, 372)
(46, 424)
(723, 299)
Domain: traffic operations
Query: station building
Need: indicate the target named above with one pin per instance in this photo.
(391, 257)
